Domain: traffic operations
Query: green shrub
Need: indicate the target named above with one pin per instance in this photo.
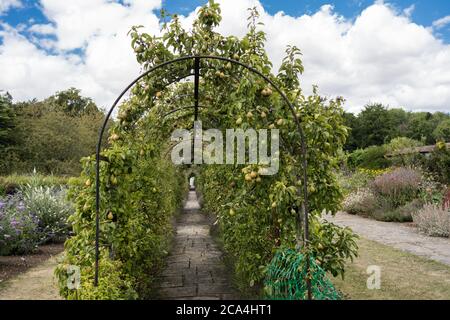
(439, 163)
(135, 224)
(32, 216)
(50, 207)
(113, 283)
(385, 211)
(369, 158)
(333, 246)
(354, 181)
(399, 144)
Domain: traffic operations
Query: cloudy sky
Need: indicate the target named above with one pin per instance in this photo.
(395, 52)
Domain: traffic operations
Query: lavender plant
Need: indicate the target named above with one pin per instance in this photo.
(399, 186)
(17, 227)
(433, 220)
(33, 216)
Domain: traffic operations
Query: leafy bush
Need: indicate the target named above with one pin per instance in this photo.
(17, 227)
(333, 246)
(362, 201)
(405, 212)
(51, 208)
(135, 225)
(354, 181)
(399, 186)
(439, 163)
(401, 143)
(113, 283)
(361, 178)
(386, 212)
(433, 220)
(431, 190)
(370, 158)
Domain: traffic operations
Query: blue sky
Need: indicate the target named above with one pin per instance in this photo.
(425, 11)
(396, 52)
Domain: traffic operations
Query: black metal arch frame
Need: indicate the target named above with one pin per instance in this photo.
(196, 68)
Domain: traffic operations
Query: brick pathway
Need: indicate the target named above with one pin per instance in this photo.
(195, 267)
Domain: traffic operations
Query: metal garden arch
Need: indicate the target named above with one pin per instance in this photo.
(196, 59)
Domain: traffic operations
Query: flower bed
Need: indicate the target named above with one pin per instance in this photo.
(401, 195)
(34, 215)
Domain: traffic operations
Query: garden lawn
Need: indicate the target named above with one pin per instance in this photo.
(404, 276)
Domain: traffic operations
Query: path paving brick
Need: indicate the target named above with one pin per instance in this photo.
(195, 268)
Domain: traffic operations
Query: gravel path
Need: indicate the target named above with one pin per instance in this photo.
(398, 235)
(38, 283)
(195, 267)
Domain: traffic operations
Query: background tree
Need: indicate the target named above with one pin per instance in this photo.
(377, 124)
(7, 117)
(351, 121)
(71, 102)
(398, 122)
(442, 131)
(7, 136)
(373, 126)
(52, 135)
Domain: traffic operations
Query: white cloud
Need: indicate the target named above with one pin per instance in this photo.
(440, 23)
(5, 5)
(44, 29)
(380, 56)
(98, 27)
(409, 11)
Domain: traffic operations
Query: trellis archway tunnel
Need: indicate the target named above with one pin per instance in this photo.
(196, 59)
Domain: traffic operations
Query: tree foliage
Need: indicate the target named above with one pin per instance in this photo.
(7, 126)
(52, 135)
(377, 125)
(7, 121)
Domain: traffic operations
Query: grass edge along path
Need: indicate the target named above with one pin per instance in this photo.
(404, 276)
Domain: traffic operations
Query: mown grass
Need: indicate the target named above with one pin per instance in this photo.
(404, 276)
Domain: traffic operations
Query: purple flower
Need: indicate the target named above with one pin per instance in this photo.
(21, 206)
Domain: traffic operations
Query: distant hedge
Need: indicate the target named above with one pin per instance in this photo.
(11, 184)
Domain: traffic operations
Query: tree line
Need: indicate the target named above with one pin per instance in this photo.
(49, 136)
(376, 125)
(52, 135)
